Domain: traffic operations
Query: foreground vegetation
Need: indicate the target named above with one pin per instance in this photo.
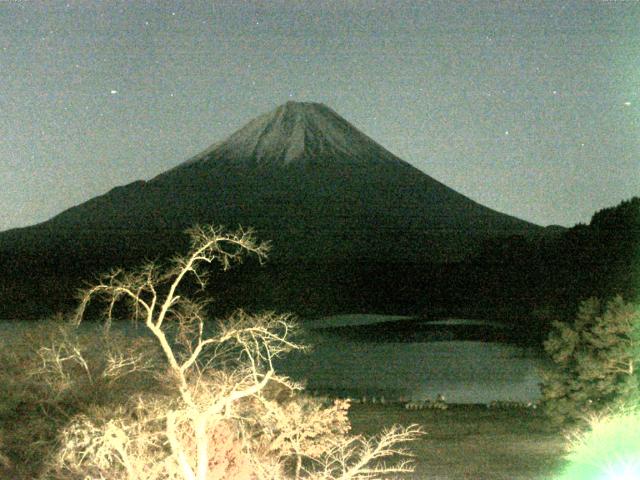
(460, 442)
(593, 389)
(596, 361)
(176, 404)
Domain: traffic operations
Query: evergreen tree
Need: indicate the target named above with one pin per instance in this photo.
(595, 360)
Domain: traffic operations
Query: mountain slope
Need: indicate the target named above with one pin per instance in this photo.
(304, 177)
(318, 188)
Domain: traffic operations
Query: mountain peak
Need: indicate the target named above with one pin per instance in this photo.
(302, 106)
(293, 133)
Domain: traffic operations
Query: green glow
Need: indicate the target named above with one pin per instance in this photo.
(627, 470)
(610, 450)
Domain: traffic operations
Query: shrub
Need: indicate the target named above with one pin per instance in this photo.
(595, 361)
(52, 371)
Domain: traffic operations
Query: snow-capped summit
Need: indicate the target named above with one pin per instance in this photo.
(297, 132)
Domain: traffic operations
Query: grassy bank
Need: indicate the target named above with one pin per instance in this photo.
(472, 442)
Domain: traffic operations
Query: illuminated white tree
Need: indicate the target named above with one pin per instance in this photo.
(231, 416)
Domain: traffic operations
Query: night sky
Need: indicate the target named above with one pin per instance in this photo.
(528, 107)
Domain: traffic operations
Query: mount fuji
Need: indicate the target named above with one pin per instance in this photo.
(302, 176)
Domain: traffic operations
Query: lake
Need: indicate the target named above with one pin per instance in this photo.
(463, 371)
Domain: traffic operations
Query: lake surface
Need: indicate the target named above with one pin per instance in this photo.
(462, 371)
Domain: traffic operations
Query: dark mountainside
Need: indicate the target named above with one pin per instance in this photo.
(305, 179)
(337, 207)
(545, 279)
(353, 228)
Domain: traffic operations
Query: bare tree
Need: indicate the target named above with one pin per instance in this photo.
(232, 416)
